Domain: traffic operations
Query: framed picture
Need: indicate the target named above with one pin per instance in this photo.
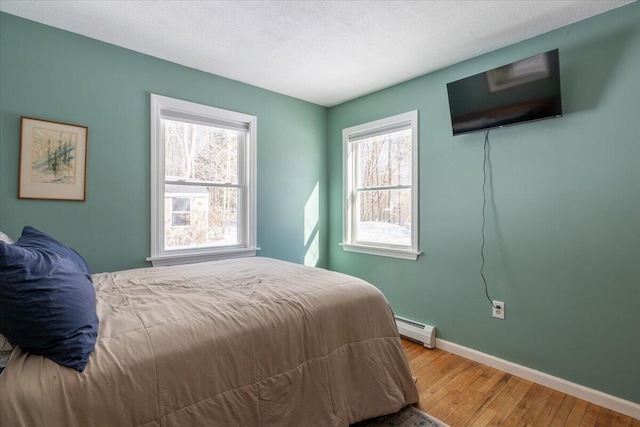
(53, 160)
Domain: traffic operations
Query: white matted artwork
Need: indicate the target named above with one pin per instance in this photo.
(53, 160)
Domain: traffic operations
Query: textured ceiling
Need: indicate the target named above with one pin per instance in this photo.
(325, 52)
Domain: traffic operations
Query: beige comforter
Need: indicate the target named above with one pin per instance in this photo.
(246, 342)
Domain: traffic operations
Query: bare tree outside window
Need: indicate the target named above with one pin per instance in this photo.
(204, 161)
(383, 187)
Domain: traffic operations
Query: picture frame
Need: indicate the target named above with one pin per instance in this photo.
(53, 160)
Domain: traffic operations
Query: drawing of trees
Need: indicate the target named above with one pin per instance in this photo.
(53, 156)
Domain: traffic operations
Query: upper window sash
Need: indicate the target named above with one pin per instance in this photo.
(240, 182)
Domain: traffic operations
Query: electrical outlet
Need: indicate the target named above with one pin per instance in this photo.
(498, 309)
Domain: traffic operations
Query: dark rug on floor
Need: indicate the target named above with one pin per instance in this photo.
(406, 417)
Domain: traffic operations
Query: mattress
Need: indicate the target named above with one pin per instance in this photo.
(244, 342)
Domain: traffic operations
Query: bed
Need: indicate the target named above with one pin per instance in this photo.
(244, 342)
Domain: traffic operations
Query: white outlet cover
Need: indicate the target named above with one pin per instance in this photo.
(498, 312)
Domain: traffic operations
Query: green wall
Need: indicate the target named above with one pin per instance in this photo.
(563, 229)
(563, 213)
(55, 75)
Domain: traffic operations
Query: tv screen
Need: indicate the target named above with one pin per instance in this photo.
(522, 91)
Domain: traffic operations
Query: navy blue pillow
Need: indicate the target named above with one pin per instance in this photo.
(36, 239)
(47, 299)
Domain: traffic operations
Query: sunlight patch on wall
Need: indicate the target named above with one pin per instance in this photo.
(313, 252)
(311, 218)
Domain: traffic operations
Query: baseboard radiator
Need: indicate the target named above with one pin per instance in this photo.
(416, 331)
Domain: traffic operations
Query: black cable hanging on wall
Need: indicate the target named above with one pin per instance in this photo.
(484, 205)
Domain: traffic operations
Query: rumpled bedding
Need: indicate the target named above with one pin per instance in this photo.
(244, 342)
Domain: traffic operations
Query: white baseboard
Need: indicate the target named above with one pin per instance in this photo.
(608, 401)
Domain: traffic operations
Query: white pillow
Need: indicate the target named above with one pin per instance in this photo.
(5, 238)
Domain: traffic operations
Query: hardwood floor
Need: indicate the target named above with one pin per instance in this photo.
(461, 392)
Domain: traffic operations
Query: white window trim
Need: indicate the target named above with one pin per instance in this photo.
(248, 245)
(349, 195)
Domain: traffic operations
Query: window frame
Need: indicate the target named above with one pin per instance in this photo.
(247, 228)
(350, 138)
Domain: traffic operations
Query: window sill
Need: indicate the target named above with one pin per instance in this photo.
(381, 251)
(194, 257)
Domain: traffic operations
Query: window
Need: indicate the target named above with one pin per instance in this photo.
(180, 211)
(381, 187)
(202, 182)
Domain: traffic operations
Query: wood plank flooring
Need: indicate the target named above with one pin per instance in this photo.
(461, 392)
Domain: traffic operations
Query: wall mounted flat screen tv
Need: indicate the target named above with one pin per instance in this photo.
(522, 91)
